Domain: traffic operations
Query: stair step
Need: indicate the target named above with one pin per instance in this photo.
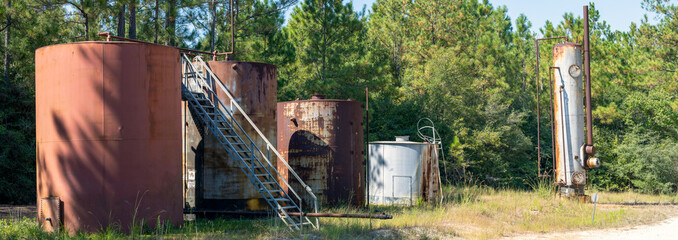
(262, 174)
(271, 190)
(267, 182)
(282, 199)
(288, 207)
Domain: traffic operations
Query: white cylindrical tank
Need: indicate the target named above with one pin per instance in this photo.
(569, 118)
(401, 172)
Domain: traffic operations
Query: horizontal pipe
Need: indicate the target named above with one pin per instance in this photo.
(344, 215)
(334, 215)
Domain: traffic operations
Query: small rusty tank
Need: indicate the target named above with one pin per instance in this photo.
(322, 140)
(108, 135)
(219, 183)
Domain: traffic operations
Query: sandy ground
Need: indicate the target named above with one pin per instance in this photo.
(667, 229)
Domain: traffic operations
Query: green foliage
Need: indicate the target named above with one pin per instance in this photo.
(330, 56)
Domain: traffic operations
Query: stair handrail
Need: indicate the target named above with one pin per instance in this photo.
(269, 146)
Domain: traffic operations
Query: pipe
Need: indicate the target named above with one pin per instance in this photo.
(562, 126)
(551, 113)
(382, 216)
(367, 149)
(590, 150)
(344, 215)
(538, 80)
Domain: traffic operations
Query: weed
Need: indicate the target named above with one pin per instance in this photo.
(469, 212)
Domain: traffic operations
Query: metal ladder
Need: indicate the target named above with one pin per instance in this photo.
(197, 83)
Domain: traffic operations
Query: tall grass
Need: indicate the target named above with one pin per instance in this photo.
(543, 187)
(469, 211)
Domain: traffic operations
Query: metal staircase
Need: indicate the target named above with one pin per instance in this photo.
(198, 85)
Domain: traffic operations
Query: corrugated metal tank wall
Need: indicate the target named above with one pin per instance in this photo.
(108, 135)
(402, 172)
(220, 183)
(322, 140)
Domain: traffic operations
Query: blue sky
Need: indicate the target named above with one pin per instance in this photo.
(618, 13)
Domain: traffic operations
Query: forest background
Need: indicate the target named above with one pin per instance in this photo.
(465, 64)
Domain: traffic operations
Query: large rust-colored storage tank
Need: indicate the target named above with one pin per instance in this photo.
(322, 140)
(108, 135)
(220, 183)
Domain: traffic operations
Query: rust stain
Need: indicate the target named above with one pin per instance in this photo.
(430, 183)
(220, 182)
(107, 113)
(322, 139)
(558, 155)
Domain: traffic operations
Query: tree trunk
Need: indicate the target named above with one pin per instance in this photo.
(233, 30)
(213, 33)
(170, 22)
(133, 20)
(86, 17)
(9, 22)
(155, 21)
(121, 21)
(324, 45)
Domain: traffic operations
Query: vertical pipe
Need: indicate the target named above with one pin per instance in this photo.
(553, 129)
(367, 143)
(587, 65)
(538, 115)
(537, 79)
(367, 150)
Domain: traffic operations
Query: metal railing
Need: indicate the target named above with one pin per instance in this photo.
(204, 84)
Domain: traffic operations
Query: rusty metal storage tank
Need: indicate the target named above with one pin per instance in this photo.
(219, 183)
(322, 140)
(401, 172)
(108, 135)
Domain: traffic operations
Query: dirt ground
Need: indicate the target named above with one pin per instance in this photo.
(666, 229)
(17, 212)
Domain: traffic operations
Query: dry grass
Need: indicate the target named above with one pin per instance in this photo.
(490, 214)
(469, 212)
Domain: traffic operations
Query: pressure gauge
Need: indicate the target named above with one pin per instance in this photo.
(575, 71)
(578, 178)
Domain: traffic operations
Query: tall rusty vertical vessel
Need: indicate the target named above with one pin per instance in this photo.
(322, 140)
(220, 183)
(108, 135)
(570, 148)
(574, 150)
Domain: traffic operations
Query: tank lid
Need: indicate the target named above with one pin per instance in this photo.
(402, 138)
(317, 96)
